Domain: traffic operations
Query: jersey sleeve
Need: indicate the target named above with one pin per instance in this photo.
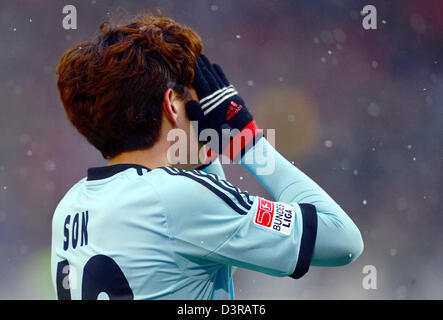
(209, 218)
(214, 167)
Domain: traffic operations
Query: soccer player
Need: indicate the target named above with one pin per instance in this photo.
(145, 228)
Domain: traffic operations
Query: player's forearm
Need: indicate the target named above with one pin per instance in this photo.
(281, 179)
(338, 240)
(214, 167)
(221, 107)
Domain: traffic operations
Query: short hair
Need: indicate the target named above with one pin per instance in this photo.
(112, 87)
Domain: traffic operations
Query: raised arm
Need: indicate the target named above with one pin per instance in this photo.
(337, 240)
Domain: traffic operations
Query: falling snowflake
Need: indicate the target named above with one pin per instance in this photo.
(373, 109)
(50, 165)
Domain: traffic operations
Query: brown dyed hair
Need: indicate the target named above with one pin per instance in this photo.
(112, 87)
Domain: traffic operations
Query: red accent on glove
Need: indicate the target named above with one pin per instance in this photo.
(241, 140)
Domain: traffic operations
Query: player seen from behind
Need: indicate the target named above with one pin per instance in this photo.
(145, 228)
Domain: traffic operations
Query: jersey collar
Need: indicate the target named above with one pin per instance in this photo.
(98, 173)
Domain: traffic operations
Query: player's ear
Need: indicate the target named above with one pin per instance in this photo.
(169, 107)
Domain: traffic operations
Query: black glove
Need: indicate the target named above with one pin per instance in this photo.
(222, 109)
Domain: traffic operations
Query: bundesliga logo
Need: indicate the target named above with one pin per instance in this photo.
(275, 216)
(265, 212)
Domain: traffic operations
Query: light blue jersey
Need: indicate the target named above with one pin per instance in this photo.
(128, 232)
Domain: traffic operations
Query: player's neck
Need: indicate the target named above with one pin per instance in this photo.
(153, 157)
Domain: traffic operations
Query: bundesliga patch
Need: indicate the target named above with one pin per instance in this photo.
(275, 216)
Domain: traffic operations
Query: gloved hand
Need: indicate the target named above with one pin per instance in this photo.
(222, 109)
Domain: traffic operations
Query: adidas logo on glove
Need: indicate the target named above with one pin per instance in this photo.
(233, 109)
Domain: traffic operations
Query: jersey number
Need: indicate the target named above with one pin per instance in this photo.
(100, 274)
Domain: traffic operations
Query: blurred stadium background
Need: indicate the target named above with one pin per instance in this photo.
(357, 110)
